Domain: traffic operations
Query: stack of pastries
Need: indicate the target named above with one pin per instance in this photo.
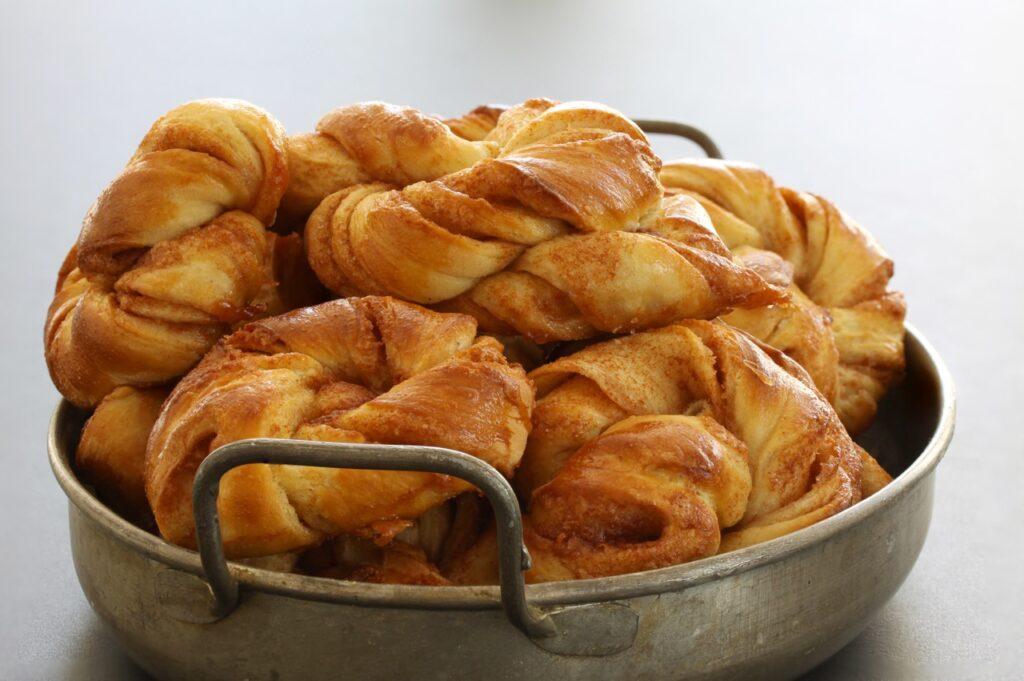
(668, 361)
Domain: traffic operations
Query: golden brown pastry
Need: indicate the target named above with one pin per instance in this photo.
(670, 445)
(359, 370)
(173, 253)
(650, 491)
(478, 123)
(557, 231)
(377, 142)
(581, 286)
(111, 454)
(852, 344)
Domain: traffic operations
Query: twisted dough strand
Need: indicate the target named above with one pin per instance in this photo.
(377, 142)
(854, 346)
(561, 236)
(575, 287)
(200, 160)
(173, 252)
(361, 370)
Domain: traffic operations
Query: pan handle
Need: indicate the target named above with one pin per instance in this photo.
(694, 134)
(513, 558)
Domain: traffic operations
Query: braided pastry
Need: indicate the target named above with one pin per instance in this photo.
(361, 370)
(557, 232)
(173, 253)
(671, 445)
(852, 344)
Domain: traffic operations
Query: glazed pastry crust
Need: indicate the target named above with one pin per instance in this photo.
(377, 142)
(362, 370)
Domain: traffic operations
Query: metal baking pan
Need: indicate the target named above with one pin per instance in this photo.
(769, 611)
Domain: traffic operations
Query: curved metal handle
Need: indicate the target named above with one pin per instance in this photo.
(513, 557)
(695, 135)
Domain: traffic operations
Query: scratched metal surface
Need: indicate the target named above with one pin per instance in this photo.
(906, 114)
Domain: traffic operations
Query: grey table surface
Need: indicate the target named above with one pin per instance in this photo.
(908, 115)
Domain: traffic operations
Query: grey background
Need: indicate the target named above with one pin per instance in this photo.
(908, 115)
